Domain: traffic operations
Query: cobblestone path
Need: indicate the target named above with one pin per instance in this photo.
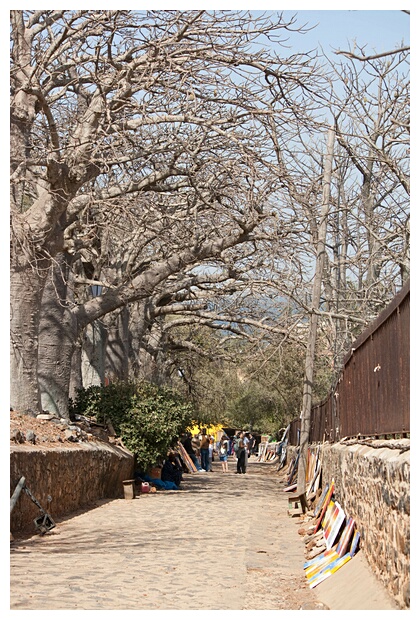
(223, 542)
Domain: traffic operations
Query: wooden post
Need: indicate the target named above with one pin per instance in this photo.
(313, 322)
(16, 493)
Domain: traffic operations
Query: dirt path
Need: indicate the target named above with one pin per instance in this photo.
(223, 542)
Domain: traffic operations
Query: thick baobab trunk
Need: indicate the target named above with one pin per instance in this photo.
(93, 354)
(313, 322)
(116, 354)
(76, 380)
(25, 301)
(57, 337)
(139, 324)
(148, 354)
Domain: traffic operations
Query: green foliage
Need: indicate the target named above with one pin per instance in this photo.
(148, 418)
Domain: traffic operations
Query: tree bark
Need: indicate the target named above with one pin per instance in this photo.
(313, 321)
(116, 353)
(25, 302)
(57, 338)
(93, 354)
(76, 380)
(149, 352)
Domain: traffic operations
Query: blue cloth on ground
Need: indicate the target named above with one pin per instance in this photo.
(161, 484)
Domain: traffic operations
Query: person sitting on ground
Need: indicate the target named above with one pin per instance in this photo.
(171, 470)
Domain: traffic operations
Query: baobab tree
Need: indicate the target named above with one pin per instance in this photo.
(89, 89)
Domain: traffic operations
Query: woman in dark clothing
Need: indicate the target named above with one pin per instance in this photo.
(190, 451)
(241, 454)
(171, 471)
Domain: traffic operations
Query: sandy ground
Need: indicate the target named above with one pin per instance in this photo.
(224, 542)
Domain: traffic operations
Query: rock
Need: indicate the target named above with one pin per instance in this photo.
(315, 551)
(315, 536)
(30, 436)
(17, 436)
(308, 606)
(310, 545)
(45, 416)
(81, 418)
(69, 435)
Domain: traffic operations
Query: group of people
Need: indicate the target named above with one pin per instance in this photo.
(202, 447)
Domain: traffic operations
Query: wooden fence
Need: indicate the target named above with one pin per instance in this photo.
(372, 395)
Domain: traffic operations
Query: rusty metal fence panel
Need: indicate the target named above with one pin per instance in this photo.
(372, 396)
(294, 432)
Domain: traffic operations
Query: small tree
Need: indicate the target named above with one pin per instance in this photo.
(149, 419)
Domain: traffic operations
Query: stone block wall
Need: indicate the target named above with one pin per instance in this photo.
(372, 484)
(73, 478)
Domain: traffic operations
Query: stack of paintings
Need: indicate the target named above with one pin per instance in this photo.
(336, 526)
(182, 453)
(312, 473)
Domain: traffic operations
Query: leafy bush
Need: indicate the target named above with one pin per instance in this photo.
(148, 418)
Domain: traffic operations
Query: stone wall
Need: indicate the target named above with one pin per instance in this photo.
(73, 478)
(372, 484)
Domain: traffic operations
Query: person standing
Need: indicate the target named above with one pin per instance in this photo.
(187, 443)
(211, 450)
(246, 442)
(246, 446)
(236, 440)
(223, 453)
(195, 442)
(241, 454)
(251, 444)
(204, 451)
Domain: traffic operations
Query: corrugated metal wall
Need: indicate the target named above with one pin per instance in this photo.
(372, 396)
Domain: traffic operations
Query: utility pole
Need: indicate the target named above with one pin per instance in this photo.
(313, 322)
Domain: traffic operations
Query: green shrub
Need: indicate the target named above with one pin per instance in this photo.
(148, 418)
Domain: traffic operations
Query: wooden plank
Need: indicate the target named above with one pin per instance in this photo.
(294, 512)
(325, 504)
(321, 500)
(17, 492)
(335, 527)
(343, 543)
(329, 570)
(354, 542)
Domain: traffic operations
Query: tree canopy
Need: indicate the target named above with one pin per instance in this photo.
(167, 177)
